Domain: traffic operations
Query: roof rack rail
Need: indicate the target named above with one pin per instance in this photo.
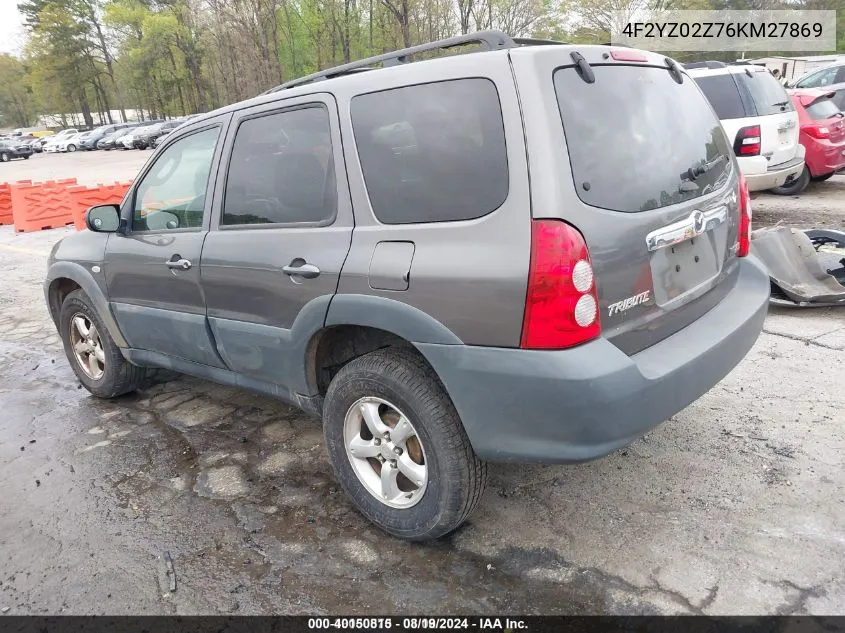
(707, 64)
(489, 40)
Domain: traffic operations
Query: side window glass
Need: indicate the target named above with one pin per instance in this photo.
(840, 75)
(821, 78)
(282, 170)
(432, 152)
(723, 95)
(172, 193)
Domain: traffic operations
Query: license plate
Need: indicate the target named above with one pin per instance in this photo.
(783, 137)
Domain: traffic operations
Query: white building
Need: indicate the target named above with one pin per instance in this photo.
(795, 67)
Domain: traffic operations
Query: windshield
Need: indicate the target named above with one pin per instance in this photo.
(768, 95)
(629, 154)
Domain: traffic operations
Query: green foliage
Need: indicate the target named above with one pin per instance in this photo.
(17, 107)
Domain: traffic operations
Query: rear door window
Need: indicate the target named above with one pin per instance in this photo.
(433, 152)
(281, 170)
(629, 154)
(768, 95)
(723, 94)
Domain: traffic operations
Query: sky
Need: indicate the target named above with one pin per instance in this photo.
(11, 27)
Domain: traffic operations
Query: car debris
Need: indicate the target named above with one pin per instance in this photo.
(167, 577)
(806, 267)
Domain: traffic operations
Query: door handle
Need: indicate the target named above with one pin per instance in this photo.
(304, 270)
(179, 264)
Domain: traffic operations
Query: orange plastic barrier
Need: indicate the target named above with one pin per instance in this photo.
(83, 198)
(38, 206)
(5, 204)
(6, 201)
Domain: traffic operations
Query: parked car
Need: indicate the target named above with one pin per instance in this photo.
(109, 141)
(158, 140)
(830, 79)
(96, 135)
(454, 282)
(758, 118)
(52, 143)
(71, 143)
(822, 133)
(127, 140)
(144, 138)
(10, 149)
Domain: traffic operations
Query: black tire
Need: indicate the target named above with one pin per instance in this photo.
(796, 186)
(71, 148)
(823, 178)
(119, 376)
(26, 156)
(4, 157)
(456, 477)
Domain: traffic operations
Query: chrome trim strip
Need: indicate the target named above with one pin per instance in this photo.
(697, 223)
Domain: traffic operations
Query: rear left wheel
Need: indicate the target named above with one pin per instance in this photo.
(398, 447)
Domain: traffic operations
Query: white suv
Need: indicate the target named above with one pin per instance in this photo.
(758, 118)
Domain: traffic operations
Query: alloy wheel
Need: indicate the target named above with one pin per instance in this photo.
(385, 452)
(87, 346)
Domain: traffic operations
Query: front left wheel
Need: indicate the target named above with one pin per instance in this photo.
(95, 358)
(5, 158)
(398, 446)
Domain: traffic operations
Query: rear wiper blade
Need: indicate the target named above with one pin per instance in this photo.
(781, 103)
(702, 168)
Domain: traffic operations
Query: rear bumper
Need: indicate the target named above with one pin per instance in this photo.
(579, 404)
(824, 157)
(773, 175)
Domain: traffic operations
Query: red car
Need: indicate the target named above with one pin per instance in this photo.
(822, 133)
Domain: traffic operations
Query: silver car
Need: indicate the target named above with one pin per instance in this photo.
(830, 78)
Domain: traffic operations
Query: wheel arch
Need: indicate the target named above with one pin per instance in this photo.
(65, 277)
(359, 324)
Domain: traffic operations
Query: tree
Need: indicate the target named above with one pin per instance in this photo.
(16, 102)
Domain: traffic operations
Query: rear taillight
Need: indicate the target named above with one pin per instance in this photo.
(561, 305)
(747, 142)
(816, 130)
(743, 238)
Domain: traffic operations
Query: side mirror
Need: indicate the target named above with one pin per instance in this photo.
(104, 218)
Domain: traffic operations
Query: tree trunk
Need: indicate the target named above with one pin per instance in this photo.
(107, 59)
(86, 109)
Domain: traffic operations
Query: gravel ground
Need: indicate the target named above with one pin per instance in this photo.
(736, 505)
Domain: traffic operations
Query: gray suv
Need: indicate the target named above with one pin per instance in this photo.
(530, 252)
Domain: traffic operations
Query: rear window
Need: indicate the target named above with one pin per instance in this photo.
(628, 154)
(723, 95)
(768, 95)
(822, 109)
(432, 152)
